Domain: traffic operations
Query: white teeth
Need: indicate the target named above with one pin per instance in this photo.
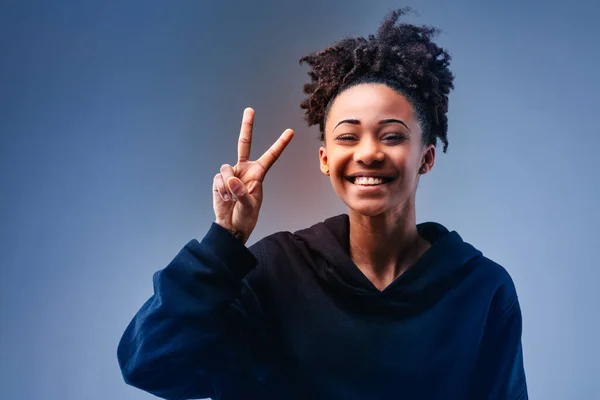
(363, 180)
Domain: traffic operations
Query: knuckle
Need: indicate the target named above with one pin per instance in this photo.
(273, 153)
(262, 166)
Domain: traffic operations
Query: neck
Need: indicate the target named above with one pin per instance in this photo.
(384, 246)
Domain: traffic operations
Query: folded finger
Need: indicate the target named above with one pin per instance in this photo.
(220, 187)
(227, 172)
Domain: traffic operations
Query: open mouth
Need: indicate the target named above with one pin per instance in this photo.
(370, 180)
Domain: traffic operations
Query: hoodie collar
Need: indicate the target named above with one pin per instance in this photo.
(447, 255)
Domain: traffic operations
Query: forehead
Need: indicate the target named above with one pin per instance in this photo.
(370, 103)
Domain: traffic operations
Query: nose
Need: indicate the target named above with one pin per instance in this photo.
(368, 152)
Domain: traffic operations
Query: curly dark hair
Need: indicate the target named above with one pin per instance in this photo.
(401, 56)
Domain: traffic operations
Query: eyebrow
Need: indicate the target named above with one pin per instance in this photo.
(383, 121)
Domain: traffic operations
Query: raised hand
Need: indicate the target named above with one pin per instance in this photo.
(237, 190)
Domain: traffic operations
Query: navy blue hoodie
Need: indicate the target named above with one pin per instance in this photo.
(292, 317)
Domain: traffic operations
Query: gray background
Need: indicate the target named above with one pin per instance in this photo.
(114, 117)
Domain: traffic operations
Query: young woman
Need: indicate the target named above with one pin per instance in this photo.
(365, 305)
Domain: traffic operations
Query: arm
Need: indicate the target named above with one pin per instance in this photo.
(500, 373)
(193, 337)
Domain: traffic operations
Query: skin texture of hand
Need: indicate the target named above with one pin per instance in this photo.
(237, 190)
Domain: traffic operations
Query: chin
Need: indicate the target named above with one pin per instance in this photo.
(368, 210)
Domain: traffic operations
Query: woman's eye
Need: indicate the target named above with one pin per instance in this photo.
(394, 138)
(345, 137)
(390, 137)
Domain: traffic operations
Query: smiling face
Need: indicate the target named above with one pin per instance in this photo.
(372, 131)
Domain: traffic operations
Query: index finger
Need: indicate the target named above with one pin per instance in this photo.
(245, 140)
(272, 154)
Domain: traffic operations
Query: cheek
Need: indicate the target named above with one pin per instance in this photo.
(408, 163)
(338, 162)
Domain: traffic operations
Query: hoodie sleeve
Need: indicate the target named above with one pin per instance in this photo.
(197, 334)
(500, 374)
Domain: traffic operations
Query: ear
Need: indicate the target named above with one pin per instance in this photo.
(323, 160)
(428, 160)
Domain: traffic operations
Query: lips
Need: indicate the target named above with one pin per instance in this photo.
(372, 173)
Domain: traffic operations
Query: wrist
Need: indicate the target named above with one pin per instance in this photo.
(234, 232)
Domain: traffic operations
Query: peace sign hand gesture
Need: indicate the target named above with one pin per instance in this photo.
(237, 191)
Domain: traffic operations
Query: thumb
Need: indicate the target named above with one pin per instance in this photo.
(240, 191)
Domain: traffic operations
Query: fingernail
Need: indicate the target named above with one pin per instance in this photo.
(226, 197)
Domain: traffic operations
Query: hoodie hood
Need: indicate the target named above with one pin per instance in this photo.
(439, 269)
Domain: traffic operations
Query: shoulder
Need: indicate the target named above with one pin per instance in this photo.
(492, 272)
(277, 246)
(288, 243)
(498, 282)
(483, 277)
